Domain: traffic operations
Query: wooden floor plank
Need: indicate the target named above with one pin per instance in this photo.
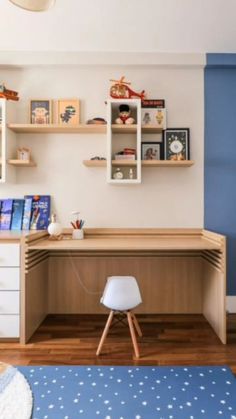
(167, 340)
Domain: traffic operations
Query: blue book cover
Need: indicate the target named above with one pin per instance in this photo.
(6, 214)
(41, 210)
(27, 213)
(17, 214)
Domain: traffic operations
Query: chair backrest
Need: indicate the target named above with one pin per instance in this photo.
(121, 293)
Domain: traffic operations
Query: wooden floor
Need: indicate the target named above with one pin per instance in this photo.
(167, 340)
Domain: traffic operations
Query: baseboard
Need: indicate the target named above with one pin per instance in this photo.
(231, 303)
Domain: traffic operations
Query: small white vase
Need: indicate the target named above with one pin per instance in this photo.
(77, 234)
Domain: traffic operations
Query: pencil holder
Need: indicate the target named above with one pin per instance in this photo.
(78, 234)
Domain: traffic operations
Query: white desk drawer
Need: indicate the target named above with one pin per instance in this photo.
(9, 279)
(9, 254)
(9, 326)
(9, 302)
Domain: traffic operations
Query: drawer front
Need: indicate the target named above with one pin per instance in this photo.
(9, 279)
(9, 302)
(9, 326)
(9, 254)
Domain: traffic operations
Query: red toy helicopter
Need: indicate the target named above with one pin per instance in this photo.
(120, 90)
(8, 94)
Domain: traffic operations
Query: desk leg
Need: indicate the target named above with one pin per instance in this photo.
(213, 299)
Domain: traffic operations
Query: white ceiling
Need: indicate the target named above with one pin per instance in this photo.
(122, 25)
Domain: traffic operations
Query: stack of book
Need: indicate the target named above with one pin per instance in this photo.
(30, 213)
(126, 154)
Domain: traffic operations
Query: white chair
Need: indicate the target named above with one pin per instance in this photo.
(121, 294)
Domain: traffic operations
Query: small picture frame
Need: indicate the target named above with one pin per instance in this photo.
(176, 144)
(152, 150)
(40, 111)
(68, 111)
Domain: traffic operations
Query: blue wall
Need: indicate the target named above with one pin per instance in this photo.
(220, 154)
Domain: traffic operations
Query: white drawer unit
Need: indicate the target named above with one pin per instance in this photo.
(9, 279)
(9, 326)
(9, 254)
(9, 302)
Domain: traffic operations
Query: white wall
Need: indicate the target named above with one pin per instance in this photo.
(166, 197)
(121, 25)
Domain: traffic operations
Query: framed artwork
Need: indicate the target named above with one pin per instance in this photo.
(152, 150)
(68, 111)
(40, 111)
(176, 144)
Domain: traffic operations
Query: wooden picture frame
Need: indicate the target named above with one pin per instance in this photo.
(40, 111)
(68, 111)
(176, 144)
(151, 150)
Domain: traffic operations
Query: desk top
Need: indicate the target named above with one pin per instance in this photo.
(134, 240)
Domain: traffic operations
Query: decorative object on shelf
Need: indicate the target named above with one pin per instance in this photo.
(55, 229)
(154, 113)
(97, 121)
(131, 173)
(118, 174)
(7, 93)
(124, 115)
(34, 5)
(152, 150)
(98, 158)
(68, 111)
(40, 111)
(23, 153)
(120, 90)
(126, 154)
(77, 232)
(176, 144)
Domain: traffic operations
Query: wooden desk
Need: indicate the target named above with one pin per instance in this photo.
(178, 270)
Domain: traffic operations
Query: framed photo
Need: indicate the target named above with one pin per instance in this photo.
(176, 144)
(40, 111)
(152, 151)
(68, 112)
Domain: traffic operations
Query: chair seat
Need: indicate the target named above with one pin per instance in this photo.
(121, 293)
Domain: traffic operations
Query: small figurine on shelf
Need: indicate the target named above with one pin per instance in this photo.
(131, 173)
(7, 93)
(23, 153)
(124, 115)
(118, 174)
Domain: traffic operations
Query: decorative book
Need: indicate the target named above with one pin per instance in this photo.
(27, 214)
(17, 214)
(6, 214)
(41, 206)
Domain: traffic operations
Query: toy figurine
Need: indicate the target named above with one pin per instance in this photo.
(124, 115)
(120, 90)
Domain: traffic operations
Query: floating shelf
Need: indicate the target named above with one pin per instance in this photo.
(129, 129)
(145, 163)
(21, 163)
(58, 129)
(79, 129)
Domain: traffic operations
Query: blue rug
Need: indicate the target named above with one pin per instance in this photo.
(132, 392)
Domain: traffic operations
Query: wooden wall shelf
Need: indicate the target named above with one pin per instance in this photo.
(145, 163)
(21, 163)
(57, 129)
(79, 129)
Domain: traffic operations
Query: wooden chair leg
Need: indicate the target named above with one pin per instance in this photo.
(132, 332)
(136, 324)
(105, 332)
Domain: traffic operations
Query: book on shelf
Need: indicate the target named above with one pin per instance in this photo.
(17, 214)
(124, 156)
(153, 112)
(6, 214)
(40, 211)
(27, 213)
